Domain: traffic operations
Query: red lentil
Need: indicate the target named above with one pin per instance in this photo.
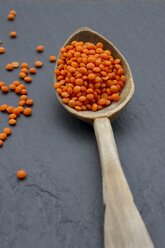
(5, 89)
(32, 70)
(3, 136)
(25, 65)
(11, 17)
(3, 107)
(2, 84)
(20, 108)
(10, 109)
(13, 34)
(24, 92)
(16, 111)
(12, 121)
(25, 70)
(16, 83)
(28, 79)
(21, 103)
(40, 49)
(12, 116)
(24, 97)
(21, 174)
(15, 64)
(22, 75)
(13, 12)
(38, 64)
(7, 130)
(9, 67)
(52, 58)
(2, 50)
(88, 77)
(18, 89)
(22, 86)
(27, 111)
(29, 102)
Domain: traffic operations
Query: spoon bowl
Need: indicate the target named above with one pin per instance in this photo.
(123, 225)
(88, 35)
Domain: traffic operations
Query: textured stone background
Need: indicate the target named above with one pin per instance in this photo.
(60, 202)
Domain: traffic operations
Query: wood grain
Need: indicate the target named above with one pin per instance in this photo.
(123, 225)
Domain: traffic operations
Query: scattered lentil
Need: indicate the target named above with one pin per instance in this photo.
(52, 58)
(21, 174)
(12, 121)
(7, 130)
(3, 136)
(12, 116)
(18, 89)
(38, 64)
(25, 65)
(16, 83)
(32, 70)
(40, 49)
(9, 67)
(28, 79)
(2, 84)
(23, 97)
(21, 103)
(13, 34)
(10, 109)
(27, 111)
(20, 108)
(13, 12)
(15, 64)
(25, 70)
(29, 102)
(3, 107)
(2, 50)
(24, 92)
(22, 75)
(16, 111)
(10, 17)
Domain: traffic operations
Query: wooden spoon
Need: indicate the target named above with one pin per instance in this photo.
(123, 225)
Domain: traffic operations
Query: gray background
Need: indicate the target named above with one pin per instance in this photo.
(60, 202)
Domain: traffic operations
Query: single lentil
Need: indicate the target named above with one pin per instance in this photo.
(52, 58)
(3, 136)
(13, 34)
(38, 64)
(5, 89)
(32, 70)
(27, 111)
(12, 121)
(29, 102)
(40, 49)
(9, 67)
(7, 130)
(2, 50)
(21, 174)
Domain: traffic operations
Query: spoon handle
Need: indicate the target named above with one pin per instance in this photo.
(123, 225)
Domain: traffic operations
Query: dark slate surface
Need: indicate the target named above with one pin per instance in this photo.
(60, 202)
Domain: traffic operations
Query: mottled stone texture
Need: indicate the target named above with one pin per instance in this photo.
(60, 203)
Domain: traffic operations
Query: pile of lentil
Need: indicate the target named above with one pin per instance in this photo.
(88, 77)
